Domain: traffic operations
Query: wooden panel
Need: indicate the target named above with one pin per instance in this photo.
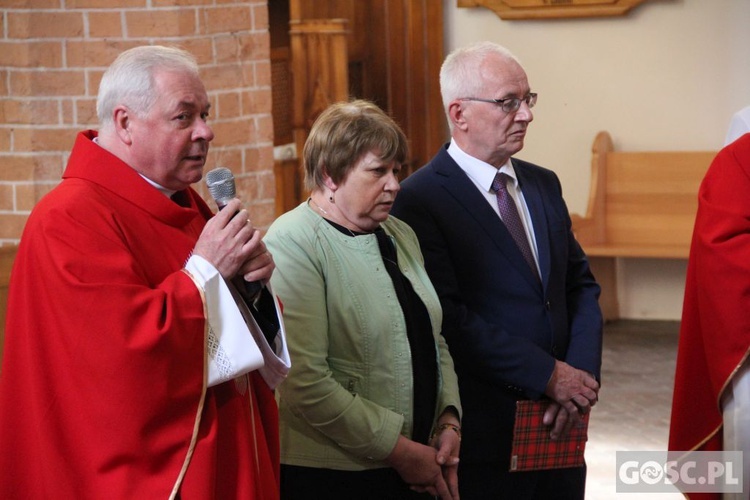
(281, 85)
(415, 54)
(652, 197)
(546, 9)
(319, 75)
(289, 185)
(394, 52)
(7, 255)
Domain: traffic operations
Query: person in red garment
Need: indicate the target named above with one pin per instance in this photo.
(132, 369)
(711, 404)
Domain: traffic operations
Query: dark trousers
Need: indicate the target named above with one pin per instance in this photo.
(486, 481)
(299, 483)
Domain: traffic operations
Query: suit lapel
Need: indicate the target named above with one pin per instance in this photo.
(532, 193)
(463, 191)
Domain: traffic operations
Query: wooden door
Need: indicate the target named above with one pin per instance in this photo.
(393, 52)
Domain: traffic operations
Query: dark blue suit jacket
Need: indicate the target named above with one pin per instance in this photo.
(503, 326)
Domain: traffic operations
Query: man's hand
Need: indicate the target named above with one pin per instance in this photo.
(573, 389)
(560, 420)
(233, 246)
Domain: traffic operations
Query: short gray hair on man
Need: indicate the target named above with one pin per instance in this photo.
(460, 74)
(130, 78)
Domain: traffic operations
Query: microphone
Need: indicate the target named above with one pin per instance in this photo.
(220, 182)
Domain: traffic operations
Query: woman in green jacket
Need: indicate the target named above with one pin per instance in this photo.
(370, 408)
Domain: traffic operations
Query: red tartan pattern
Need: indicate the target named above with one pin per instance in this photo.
(532, 447)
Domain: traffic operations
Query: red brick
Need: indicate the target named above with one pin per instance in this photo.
(202, 48)
(105, 24)
(230, 158)
(258, 158)
(244, 48)
(85, 113)
(265, 185)
(36, 167)
(224, 77)
(5, 133)
(46, 83)
(95, 77)
(263, 73)
(43, 139)
(31, 54)
(260, 17)
(263, 215)
(266, 157)
(228, 105)
(233, 132)
(95, 53)
(4, 83)
(181, 3)
(161, 23)
(226, 19)
(264, 127)
(36, 112)
(252, 158)
(36, 4)
(34, 24)
(6, 197)
(11, 226)
(105, 4)
(257, 101)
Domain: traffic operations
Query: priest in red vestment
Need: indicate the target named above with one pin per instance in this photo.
(132, 367)
(711, 405)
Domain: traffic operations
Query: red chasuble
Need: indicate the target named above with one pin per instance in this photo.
(715, 328)
(103, 388)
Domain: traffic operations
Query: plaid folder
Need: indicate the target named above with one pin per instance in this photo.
(532, 447)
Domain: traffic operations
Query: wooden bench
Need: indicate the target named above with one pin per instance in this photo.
(641, 205)
(7, 254)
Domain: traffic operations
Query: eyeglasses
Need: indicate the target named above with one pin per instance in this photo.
(509, 104)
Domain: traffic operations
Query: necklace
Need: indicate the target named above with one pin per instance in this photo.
(322, 210)
(328, 217)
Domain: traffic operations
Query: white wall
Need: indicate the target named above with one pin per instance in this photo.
(666, 76)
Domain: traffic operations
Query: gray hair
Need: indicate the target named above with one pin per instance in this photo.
(130, 78)
(460, 74)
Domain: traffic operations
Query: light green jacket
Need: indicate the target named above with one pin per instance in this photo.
(348, 395)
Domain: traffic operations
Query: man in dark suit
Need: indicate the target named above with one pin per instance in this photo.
(519, 326)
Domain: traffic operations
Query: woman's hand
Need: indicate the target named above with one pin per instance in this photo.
(418, 466)
(447, 441)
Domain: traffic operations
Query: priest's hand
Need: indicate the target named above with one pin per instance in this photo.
(233, 246)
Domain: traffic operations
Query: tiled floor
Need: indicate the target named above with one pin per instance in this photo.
(635, 401)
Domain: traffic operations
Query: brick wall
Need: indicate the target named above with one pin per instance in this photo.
(52, 56)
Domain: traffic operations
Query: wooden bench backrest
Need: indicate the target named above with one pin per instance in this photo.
(641, 204)
(652, 197)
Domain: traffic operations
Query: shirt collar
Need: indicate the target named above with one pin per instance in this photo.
(166, 192)
(483, 174)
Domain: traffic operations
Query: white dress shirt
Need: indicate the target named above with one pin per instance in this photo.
(482, 175)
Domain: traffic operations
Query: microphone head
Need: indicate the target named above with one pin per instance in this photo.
(220, 182)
